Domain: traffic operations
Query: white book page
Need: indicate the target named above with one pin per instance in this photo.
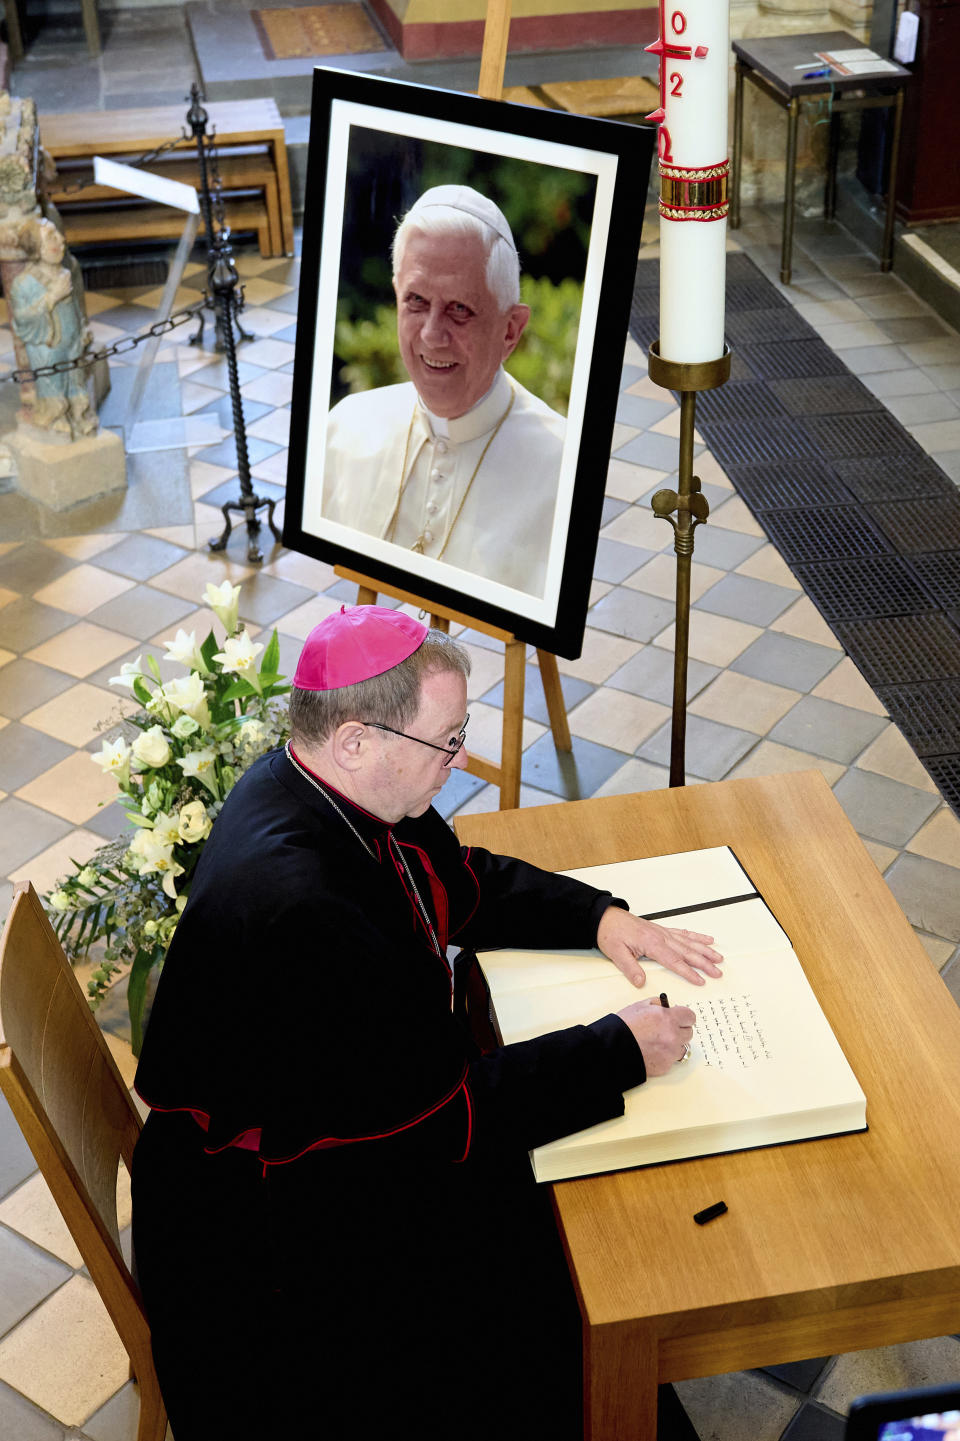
(765, 1066)
(737, 930)
(661, 883)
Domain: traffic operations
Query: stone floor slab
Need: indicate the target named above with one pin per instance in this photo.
(928, 893)
(825, 728)
(882, 809)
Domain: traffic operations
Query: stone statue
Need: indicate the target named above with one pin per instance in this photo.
(49, 325)
(61, 455)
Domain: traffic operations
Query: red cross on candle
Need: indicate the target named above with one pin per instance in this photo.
(668, 49)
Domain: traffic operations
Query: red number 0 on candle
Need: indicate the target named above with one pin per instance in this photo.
(679, 22)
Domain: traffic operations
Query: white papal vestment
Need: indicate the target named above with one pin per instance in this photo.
(489, 513)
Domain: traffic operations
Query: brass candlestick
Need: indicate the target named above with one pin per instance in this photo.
(692, 510)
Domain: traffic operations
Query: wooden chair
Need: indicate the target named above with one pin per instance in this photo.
(78, 1119)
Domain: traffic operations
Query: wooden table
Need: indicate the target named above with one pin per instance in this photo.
(829, 1245)
(775, 65)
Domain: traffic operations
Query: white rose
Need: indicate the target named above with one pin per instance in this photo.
(151, 748)
(193, 822)
(184, 726)
(60, 900)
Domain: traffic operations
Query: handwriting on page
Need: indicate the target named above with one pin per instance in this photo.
(729, 1033)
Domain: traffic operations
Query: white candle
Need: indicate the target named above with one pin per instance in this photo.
(693, 48)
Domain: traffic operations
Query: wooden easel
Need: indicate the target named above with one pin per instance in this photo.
(506, 775)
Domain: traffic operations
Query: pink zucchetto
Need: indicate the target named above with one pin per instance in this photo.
(356, 644)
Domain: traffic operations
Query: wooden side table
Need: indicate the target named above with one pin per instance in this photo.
(776, 65)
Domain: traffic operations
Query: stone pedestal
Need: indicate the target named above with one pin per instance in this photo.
(61, 472)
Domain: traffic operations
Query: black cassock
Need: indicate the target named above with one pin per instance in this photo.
(336, 1226)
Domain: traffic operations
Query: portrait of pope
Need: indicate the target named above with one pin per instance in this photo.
(460, 462)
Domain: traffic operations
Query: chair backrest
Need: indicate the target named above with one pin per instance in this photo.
(70, 1101)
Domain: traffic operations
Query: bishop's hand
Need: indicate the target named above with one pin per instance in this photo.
(624, 939)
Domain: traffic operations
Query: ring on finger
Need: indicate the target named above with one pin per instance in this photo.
(685, 1057)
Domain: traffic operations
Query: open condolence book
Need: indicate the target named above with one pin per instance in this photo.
(765, 1065)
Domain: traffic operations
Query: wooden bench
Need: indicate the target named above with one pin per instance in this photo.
(251, 157)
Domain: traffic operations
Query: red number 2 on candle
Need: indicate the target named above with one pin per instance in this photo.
(676, 82)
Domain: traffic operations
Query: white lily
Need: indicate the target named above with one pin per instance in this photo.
(128, 672)
(186, 694)
(239, 656)
(223, 601)
(150, 855)
(184, 650)
(201, 765)
(166, 829)
(114, 760)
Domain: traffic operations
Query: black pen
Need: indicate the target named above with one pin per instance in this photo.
(663, 1000)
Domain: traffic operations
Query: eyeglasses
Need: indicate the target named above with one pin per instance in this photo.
(449, 751)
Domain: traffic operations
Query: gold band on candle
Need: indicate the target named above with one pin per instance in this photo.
(693, 194)
(717, 212)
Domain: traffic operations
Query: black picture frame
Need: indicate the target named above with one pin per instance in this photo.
(415, 136)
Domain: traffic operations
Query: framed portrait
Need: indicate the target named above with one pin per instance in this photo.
(454, 394)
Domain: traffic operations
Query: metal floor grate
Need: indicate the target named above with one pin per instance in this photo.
(940, 576)
(869, 524)
(759, 440)
(928, 713)
(751, 327)
(893, 477)
(803, 358)
(824, 395)
(862, 587)
(830, 533)
(845, 436)
(900, 649)
(918, 526)
(789, 485)
(745, 401)
(944, 771)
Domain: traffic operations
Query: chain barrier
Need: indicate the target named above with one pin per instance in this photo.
(142, 160)
(119, 347)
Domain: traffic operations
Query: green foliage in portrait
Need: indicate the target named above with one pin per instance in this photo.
(543, 361)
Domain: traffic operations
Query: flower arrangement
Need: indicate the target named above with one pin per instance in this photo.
(177, 760)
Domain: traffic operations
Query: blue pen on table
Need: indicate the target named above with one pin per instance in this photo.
(815, 74)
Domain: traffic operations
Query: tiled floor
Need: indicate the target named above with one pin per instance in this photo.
(770, 690)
